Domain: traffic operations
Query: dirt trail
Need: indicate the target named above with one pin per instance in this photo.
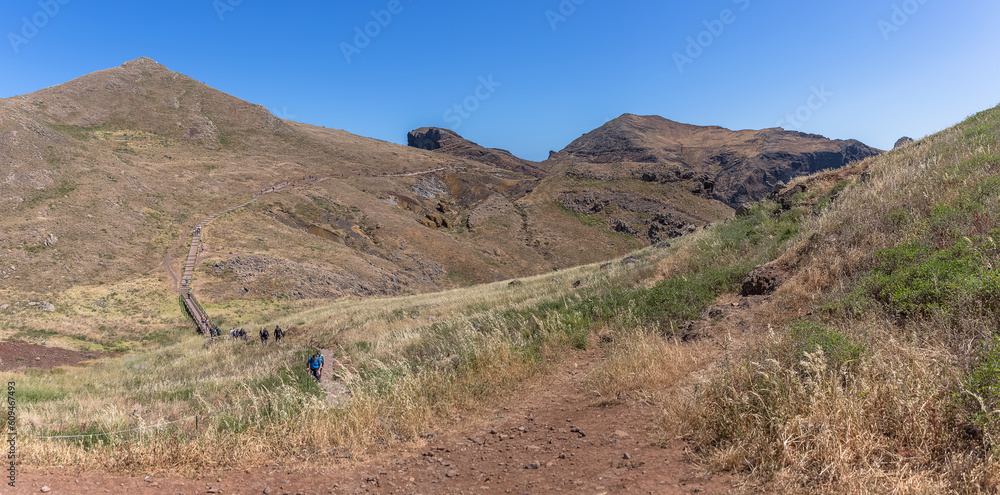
(337, 393)
(552, 438)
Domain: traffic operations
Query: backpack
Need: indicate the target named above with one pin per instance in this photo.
(313, 362)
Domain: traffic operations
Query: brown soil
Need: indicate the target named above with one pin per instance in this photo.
(555, 439)
(17, 356)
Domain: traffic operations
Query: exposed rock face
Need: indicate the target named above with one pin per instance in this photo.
(641, 216)
(732, 166)
(903, 141)
(449, 142)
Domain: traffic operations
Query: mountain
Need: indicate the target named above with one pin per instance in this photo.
(733, 166)
(106, 174)
(652, 179)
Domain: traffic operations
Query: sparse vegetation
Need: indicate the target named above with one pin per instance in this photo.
(877, 392)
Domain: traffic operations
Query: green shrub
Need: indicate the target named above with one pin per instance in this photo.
(839, 349)
(918, 279)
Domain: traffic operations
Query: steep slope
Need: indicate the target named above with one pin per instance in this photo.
(448, 142)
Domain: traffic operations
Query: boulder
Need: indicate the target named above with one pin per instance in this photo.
(903, 141)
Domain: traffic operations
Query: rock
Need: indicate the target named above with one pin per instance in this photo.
(630, 260)
(452, 473)
(787, 198)
(620, 434)
(267, 490)
(763, 280)
(515, 283)
(903, 141)
(622, 227)
(576, 284)
(436, 220)
(46, 307)
(51, 240)
(533, 465)
(46, 489)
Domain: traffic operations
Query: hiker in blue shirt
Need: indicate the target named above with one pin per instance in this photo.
(315, 365)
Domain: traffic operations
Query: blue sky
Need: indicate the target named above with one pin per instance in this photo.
(531, 76)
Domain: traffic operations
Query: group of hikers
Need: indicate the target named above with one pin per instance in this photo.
(315, 363)
(241, 334)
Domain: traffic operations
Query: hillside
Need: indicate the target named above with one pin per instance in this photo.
(848, 313)
(835, 337)
(448, 142)
(110, 170)
(654, 179)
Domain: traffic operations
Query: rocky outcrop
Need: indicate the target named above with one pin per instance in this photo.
(449, 142)
(903, 141)
(629, 213)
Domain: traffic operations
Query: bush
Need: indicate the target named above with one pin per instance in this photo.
(841, 350)
(919, 279)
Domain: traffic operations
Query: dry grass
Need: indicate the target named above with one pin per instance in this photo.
(642, 365)
(414, 362)
(899, 417)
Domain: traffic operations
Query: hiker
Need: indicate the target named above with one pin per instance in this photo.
(263, 336)
(315, 365)
(278, 334)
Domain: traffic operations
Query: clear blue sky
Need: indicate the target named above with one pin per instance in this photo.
(554, 76)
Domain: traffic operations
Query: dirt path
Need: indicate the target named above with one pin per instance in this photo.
(552, 438)
(337, 393)
(168, 263)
